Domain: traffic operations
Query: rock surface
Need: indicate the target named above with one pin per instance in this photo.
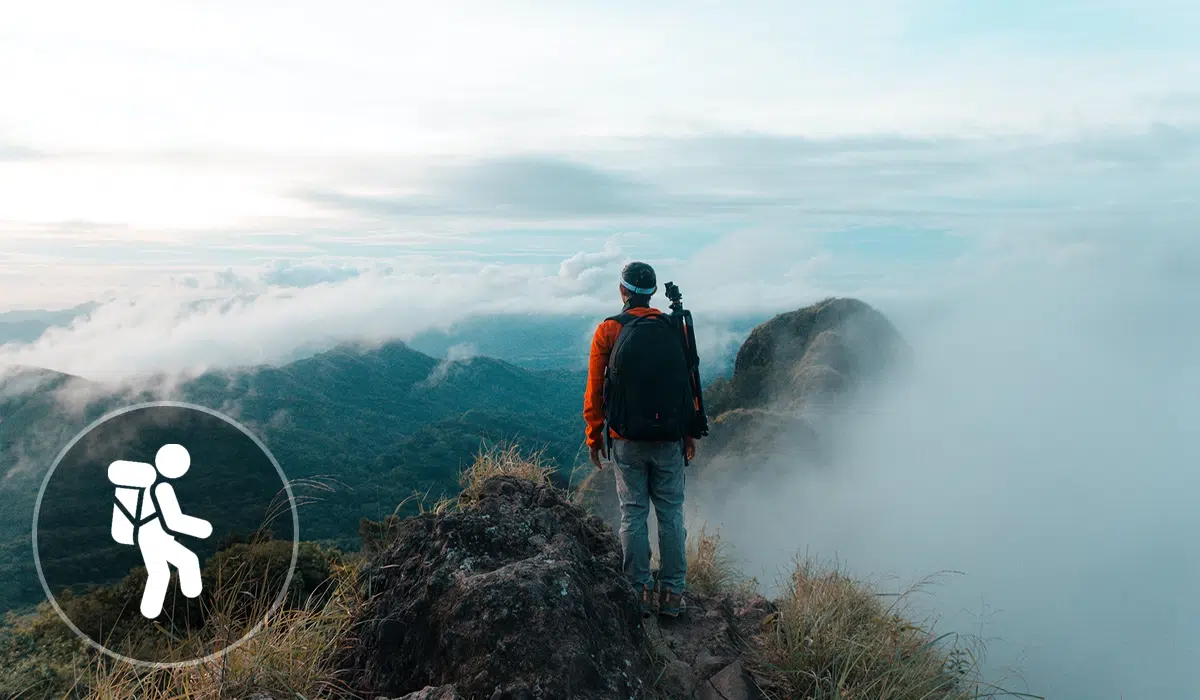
(808, 356)
(699, 656)
(445, 692)
(752, 432)
(791, 374)
(518, 595)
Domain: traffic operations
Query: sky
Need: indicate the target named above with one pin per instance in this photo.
(1013, 183)
(141, 140)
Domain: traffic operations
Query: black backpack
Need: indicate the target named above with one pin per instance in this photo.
(648, 387)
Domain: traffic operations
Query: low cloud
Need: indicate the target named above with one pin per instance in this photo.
(1042, 445)
(236, 318)
(284, 273)
(455, 356)
(586, 269)
(239, 317)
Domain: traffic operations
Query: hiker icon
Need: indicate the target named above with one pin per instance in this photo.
(146, 513)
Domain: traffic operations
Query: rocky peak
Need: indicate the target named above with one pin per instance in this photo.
(808, 355)
(518, 593)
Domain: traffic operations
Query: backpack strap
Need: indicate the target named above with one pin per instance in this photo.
(623, 319)
(125, 511)
(158, 513)
(135, 521)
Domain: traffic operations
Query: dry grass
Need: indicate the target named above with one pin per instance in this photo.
(834, 638)
(295, 652)
(440, 506)
(710, 568)
(292, 655)
(500, 459)
(504, 460)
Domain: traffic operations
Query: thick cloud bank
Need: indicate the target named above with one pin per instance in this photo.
(276, 313)
(1044, 446)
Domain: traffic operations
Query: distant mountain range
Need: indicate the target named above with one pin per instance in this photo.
(529, 340)
(378, 424)
(539, 341)
(28, 326)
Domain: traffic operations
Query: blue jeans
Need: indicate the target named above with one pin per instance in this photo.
(652, 472)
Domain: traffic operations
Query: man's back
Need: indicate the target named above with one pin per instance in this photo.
(639, 386)
(603, 341)
(648, 393)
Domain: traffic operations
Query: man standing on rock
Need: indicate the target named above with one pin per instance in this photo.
(640, 406)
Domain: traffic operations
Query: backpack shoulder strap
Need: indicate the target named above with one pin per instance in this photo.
(622, 318)
(625, 320)
(158, 513)
(133, 519)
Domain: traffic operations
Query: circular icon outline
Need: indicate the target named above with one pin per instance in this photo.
(275, 605)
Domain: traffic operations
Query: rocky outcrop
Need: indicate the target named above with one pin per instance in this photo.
(702, 654)
(748, 432)
(445, 692)
(791, 371)
(808, 356)
(517, 595)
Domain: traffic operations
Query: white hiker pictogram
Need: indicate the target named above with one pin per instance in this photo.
(147, 513)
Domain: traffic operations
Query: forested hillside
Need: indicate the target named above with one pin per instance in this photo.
(373, 425)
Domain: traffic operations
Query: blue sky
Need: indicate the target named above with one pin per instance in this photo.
(147, 138)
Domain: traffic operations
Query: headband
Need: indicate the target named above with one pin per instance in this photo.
(637, 290)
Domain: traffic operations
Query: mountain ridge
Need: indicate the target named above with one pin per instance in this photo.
(382, 421)
(510, 589)
(332, 416)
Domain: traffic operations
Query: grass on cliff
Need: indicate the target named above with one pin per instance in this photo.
(836, 638)
(711, 568)
(293, 654)
(500, 459)
(830, 638)
(505, 459)
(833, 637)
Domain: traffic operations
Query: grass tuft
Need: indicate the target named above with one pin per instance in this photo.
(834, 638)
(710, 568)
(505, 459)
(293, 654)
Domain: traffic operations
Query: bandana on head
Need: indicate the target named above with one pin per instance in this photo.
(637, 290)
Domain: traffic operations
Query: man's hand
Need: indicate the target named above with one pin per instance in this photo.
(689, 447)
(598, 453)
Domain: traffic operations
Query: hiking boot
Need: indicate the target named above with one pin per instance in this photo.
(670, 603)
(647, 602)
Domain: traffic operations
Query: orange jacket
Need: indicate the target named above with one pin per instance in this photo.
(593, 396)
